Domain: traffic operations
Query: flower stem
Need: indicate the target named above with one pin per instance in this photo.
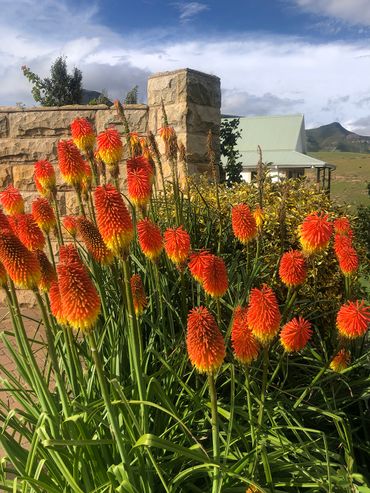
(215, 435)
(108, 404)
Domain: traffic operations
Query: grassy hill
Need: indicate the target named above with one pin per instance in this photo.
(334, 137)
(350, 179)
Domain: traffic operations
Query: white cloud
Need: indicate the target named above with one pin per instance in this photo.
(190, 9)
(350, 11)
(259, 74)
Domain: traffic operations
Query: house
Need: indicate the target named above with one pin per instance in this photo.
(282, 140)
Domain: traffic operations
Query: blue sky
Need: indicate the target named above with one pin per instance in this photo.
(273, 56)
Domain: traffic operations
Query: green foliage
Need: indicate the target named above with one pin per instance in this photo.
(287, 423)
(131, 96)
(103, 98)
(229, 135)
(363, 227)
(60, 88)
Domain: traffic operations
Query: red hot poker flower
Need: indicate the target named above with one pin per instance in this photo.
(197, 264)
(110, 148)
(28, 232)
(215, 280)
(348, 261)
(139, 181)
(353, 319)
(150, 239)
(315, 232)
(4, 221)
(94, 241)
(68, 253)
(263, 314)
(243, 223)
(177, 245)
(3, 276)
(48, 274)
(44, 176)
(204, 341)
(293, 269)
(21, 264)
(43, 215)
(80, 299)
(138, 294)
(295, 334)
(12, 200)
(259, 216)
(114, 220)
(341, 244)
(71, 163)
(70, 224)
(245, 346)
(342, 226)
(56, 303)
(340, 361)
(83, 135)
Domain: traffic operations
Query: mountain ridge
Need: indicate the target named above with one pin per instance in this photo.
(334, 137)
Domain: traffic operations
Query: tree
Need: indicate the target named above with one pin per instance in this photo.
(131, 96)
(60, 88)
(229, 134)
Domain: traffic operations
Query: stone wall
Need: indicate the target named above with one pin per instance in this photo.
(192, 101)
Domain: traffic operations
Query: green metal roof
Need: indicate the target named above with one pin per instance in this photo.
(282, 159)
(270, 132)
(282, 140)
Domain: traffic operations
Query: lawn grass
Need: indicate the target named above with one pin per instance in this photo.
(350, 179)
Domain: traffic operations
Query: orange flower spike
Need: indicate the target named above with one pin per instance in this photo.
(139, 187)
(177, 245)
(110, 147)
(68, 253)
(79, 297)
(56, 303)
(341, 244)
(140, 163)
(315, 232)
(166, 133)
(353, 319)
(113, 218)
(71, 163)
(204, 341)
(94, 241)
(83, 134)
(44, 176)
(12, 200)
(259, 216)
(4, 221)
(263, 314)
(215, 280)
(70, 224)
(150, 239)
(245, 346)
(21, 264)
(197, 264)
(295, 334)
(48, 274)
(138, 294)
(3, 276)
(340, 361)
(43, 215)
(293, 268)
(243, 223)
(348, 261)
(29, 233)
(342, 226)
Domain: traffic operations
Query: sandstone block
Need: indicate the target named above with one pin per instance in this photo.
(167, 86)
(23, 177)
(5, 176)
(46, 123)
(4, 125)
(201, 119)
(137, 118)
(203, 89)
(27, 151)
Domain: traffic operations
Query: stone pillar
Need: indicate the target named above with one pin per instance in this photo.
(192, 101)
